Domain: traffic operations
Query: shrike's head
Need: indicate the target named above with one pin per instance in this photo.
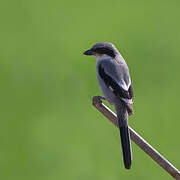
(102, 49)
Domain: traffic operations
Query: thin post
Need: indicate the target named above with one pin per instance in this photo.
(138, 140)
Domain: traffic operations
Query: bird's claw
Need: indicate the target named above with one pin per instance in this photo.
(98, 99)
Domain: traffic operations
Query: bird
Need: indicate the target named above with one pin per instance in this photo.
(115, 83)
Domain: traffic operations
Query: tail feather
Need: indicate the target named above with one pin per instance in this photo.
(122, 116)
(126, 146)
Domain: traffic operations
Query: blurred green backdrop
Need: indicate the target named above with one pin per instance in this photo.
(49, 129)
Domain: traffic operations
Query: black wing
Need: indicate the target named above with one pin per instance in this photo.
(110, 82)
(131, 93)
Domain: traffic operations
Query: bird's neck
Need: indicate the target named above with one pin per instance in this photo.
(104, 56)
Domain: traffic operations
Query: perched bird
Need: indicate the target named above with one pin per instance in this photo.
(115, 83)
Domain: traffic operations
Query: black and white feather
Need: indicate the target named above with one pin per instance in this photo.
(114, 74)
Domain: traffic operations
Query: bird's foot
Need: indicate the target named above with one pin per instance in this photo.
(98, 99)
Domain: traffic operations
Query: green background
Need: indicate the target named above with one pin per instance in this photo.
(48, 127)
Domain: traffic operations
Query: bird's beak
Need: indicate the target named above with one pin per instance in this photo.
(89, 52)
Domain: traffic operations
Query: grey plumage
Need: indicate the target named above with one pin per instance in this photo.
(117, 69)
(115, 83)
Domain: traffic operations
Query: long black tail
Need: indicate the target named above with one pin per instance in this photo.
(126, 147)
(125, 137)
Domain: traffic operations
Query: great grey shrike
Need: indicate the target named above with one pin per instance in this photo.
(115, 83)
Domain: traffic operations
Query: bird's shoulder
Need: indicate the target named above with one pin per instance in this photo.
(119, 68)
(107, 64)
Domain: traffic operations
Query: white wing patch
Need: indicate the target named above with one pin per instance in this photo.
(124, 86)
